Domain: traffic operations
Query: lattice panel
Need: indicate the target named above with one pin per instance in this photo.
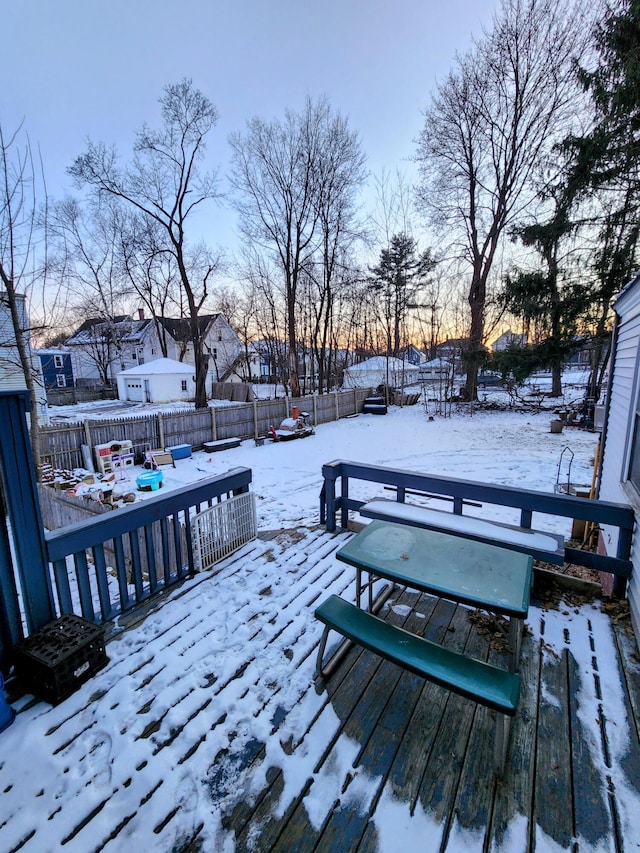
(223, 528)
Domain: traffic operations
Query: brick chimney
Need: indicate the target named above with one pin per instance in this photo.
(140, 313)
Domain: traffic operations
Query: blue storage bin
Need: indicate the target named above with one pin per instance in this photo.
(179, 451)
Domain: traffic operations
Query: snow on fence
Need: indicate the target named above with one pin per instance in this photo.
(61, 445)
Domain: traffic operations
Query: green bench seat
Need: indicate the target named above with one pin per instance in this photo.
(482, 682)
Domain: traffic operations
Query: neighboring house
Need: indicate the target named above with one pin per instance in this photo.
(380, 370)
(11, 372)
(413, 355)
(57, 369)
(162, 380)
(584, 352)
(101, 350)
(436, 369)
(620, 443)
(508, 339)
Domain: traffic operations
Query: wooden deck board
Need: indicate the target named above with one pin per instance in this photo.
(189, 707)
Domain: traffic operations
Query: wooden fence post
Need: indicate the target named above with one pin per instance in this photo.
(161, 430)
(214, 426)
(255, 418)
(337, 407)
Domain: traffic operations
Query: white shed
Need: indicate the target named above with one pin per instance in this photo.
(620, 471)
(380, 370)
(160, 381)
(437, 368)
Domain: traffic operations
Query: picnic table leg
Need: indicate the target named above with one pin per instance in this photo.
(324, 671)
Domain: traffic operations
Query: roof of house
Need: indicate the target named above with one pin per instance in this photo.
(159, 365)
(130, 330)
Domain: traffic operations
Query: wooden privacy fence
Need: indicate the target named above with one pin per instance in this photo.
(61, 445)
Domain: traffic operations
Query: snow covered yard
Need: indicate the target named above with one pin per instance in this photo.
(206, 731)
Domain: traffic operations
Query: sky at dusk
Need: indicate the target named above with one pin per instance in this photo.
(73, 70)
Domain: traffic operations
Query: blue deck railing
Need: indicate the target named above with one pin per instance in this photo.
(335, 501)
(107, 566)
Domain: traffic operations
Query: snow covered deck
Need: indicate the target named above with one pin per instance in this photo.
(206, 731)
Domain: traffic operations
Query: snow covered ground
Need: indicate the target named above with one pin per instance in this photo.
(510, 448)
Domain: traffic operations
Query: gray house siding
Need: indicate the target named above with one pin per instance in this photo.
(616, 453)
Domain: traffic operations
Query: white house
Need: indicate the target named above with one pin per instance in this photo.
(162, 380)
(102, 349)
(620, 443)
(438, 369)
(508, 339)
(380, 370)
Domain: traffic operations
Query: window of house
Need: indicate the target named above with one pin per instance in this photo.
(61, 380)
(141, 359)
(153, 350)
(184, 384)
(214, 352)
(634, 459)
(219, 336)
(134, 355)
(58, 361)
(122, 365)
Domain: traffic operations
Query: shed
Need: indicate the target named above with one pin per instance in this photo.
(380, 370)
(437, 368)
(620, 443)
(160, 381)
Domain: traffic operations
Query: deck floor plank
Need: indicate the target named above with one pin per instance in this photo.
(553, 796)
(183, 758)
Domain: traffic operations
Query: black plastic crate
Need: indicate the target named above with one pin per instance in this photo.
(54, 661)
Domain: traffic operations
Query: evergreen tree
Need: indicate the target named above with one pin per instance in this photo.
(397, 280)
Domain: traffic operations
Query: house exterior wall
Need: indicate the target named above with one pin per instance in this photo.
(164, 382)
(11, 374)
(84, 368)
(57, 371)
(625, 388)
(141, 345)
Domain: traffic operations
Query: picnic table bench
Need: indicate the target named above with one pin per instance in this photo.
(450, 567)
(541, 545)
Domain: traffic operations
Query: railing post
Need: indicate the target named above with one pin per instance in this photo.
(625, 541)
(23, 506)
(329, 497)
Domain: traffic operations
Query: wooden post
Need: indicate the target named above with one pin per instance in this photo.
(23, 507)
(87, 433)
(161, 430)
(214, 426)
(355, 401)
(315, 409)
(255, 418)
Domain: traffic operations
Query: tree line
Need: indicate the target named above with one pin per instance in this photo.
(527, 185)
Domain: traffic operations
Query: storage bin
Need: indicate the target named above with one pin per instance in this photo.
(179, 451)
(54, 661)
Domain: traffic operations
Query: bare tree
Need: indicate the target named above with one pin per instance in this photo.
(487, 128)
(295, 183)
(165, 183)
(18, 220)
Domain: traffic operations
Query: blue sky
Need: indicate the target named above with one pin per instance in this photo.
(74, 69)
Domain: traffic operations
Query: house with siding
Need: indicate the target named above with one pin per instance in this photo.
(162, 380)
(57, 369)
(11, 372)
(101, 350)
(620, 442)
